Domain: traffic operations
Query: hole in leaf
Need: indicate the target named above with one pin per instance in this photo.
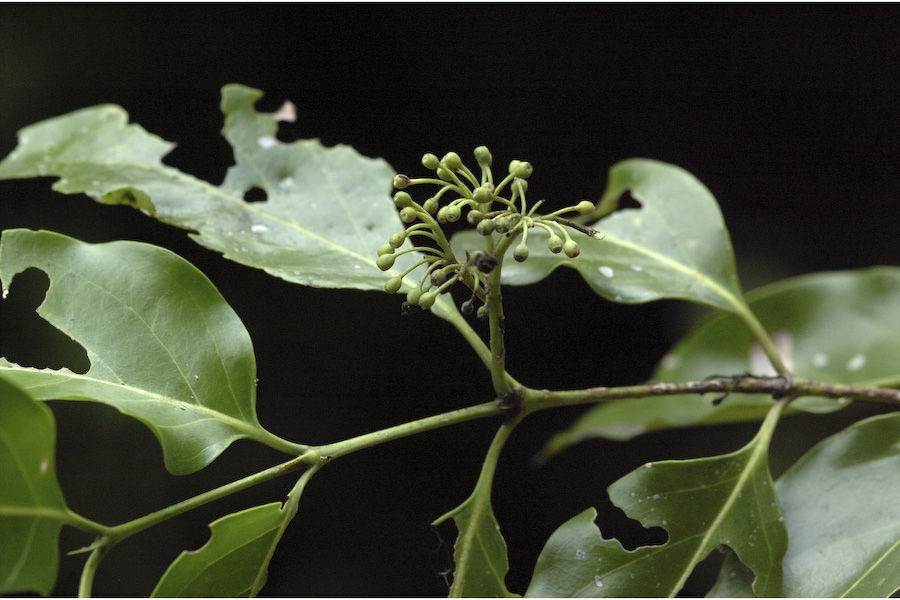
(626, 200)
(255, 194)
(26, 338)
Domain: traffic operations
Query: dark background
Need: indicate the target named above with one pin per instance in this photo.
(787, 113)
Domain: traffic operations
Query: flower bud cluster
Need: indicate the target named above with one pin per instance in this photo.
(496, 210)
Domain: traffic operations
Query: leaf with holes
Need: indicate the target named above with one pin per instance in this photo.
(232, 561)
(674, 246)
(840, 327)
(32, 508)
(704, 502)
(842, 516)
(164, 345)
(480, 552)
(325, 213)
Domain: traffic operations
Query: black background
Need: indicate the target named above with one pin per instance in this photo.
(787, 113)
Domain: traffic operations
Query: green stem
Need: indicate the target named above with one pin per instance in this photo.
(78, 522)
(470, 413)
(86, 582)
(120, 532)
(762, 336)
(289, 511)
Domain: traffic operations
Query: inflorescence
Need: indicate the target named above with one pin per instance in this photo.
(498, 218)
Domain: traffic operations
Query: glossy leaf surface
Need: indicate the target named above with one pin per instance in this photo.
(164, 345)
(840, 327)
(843, 519)
(232, 561)
(727, 499)
(326, 210)
(32, 508)
(674, 246)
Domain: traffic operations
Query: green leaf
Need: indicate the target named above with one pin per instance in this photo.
(674, 246)
(843, 519)
(32, 508)
(164, 345)
(480, 552)
(231, 562)
(839, 327)
(326, 210)
(727, 499)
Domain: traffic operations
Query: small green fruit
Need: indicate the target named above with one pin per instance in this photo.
(396, 240)
(431, 205)
(385, 261)
(442, 215)
(555, 244)
(521, 253)
(412, 296)
(571, 249)
(452, 161)
(483, 156)
(485, 227)
(385, 249)
(585, 207)
(520, 169)
(408, 214)
(430, 161)
(401, 181)
(402, 200)
(445, 174)
(393, 285)
(438, 277)
(427, 299)
(501, 224)
(482, 312)
(453, 213)
(474, 217)
(483, 195)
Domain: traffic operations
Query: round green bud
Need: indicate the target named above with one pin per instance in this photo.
(401, 181)
(431, 205)
(430, 161)
(412, 296)
(520, 185)
(385, 261)
(555, 244)
(474, 217)
(501, 224)
(571, 249)
(402, 200)
(520, 169)
(445, 174)
(452, 161)
(485, 227)
(442, 215)
(393, 285)
(483, 156)
(521, 252)
(438, 277)
(453, 213)
(482, 312)
(483, 195)
(427, 299)
(408, 214)
(385, 249)
(585, 207)
(396, 240)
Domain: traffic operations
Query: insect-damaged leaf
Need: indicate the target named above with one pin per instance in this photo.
(164, 345)
(702, 503)
(232, 561)
(840, 327)
(674, 246)
(842, 516)
(326, 209)
(32, 508)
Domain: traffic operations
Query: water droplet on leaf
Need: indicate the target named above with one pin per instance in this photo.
(266, 141)
(856, 363)
(258, 228)
(606, 271)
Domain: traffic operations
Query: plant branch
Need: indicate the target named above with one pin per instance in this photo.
(86, 582)
(777, 387)
(120, 532)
